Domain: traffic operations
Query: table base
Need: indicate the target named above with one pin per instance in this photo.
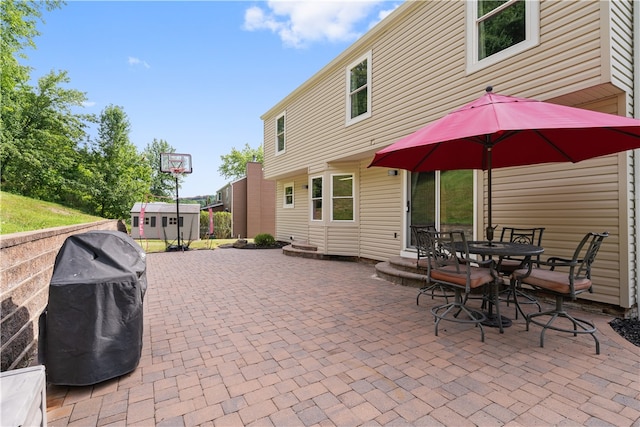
(493, 322)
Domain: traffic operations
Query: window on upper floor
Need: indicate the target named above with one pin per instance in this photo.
(358, 90)
(498, 29)
(342, 201)
(316, 198)
(288, 196)
(280, 134)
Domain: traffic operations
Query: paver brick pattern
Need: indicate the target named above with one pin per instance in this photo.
(254, 337)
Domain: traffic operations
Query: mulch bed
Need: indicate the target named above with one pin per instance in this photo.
(628, 329)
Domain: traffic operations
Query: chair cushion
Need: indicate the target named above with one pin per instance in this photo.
(479, 276)
(556, 281)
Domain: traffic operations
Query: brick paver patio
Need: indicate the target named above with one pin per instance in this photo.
(254, 337)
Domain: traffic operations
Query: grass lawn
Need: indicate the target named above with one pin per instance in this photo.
(151, 246)
(18, 214)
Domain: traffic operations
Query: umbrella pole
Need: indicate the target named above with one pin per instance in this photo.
(489, 230)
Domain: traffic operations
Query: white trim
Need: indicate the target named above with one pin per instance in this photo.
(348, 119)
(352, 197)
(286, 205)
(283, 115)
(532, 35)
(311, 198)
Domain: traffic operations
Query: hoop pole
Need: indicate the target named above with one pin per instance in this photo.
(178, 212)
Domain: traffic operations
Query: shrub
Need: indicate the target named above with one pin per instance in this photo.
(264, 239)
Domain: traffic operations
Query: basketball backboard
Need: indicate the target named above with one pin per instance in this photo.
(175, 163)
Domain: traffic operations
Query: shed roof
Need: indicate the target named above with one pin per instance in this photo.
(162, 207)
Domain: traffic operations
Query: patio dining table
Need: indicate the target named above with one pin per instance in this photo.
(490, 249)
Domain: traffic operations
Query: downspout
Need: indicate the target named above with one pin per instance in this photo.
(636, 154)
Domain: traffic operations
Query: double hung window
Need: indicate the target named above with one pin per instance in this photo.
(288, 196)
(359, 89)
(280, 134)
(499, 29)
(342, 201)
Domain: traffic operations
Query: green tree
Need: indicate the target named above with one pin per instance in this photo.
(234, 164)
(162, 184)
(119, 175)
(18, 21)
(39, 151)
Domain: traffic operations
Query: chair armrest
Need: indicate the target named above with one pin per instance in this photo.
(554, 262)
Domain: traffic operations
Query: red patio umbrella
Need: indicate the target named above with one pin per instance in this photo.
(498, 131)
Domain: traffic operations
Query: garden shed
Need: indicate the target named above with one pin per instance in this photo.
(158, 220)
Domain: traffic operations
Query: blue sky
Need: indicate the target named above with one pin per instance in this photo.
(197, 74)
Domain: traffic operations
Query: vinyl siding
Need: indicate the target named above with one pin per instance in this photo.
(416, 78)
(293, 221)
(381, 213)
(418, 75)
(621, 24)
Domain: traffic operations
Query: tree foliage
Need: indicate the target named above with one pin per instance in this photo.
(39, 153)
(162, 184)
(234, 164)
(46, 151)
(119, 175)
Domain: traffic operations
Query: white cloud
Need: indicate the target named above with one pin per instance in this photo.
(381, 15)
(133, 61)
(300, 23)
(88, 103)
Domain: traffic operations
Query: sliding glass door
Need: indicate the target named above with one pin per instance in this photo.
(441, 198)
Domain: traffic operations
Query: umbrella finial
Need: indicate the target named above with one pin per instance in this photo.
(489, 89)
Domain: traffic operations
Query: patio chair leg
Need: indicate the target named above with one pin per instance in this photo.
(513, 293)
(475, 317)
(580, 326)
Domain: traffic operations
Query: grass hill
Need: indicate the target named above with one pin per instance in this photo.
(18, 213)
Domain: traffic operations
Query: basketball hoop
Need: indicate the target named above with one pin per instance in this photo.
(176, 164)
(176, 171)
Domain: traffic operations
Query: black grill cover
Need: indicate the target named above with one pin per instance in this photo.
(93, 322)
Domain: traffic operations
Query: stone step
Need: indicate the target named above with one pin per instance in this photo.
(297, 251)
(398, 270)
(303, 246)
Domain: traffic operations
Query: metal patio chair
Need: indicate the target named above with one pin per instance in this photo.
(568, 282)
(421, 237)
(450, 265)
(507, 265)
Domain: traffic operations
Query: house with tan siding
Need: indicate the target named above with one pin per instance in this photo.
(424, 60)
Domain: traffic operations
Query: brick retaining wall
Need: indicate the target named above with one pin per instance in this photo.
(26, 265)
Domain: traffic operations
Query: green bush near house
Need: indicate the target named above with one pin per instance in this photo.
(264, 239)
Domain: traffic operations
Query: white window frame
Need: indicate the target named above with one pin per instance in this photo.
(532, 35)
(282, 116)
(311, 199)
(286, 205)
(352, 197)
(349, 119)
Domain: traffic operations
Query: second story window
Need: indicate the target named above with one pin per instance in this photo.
(359, 89)
(280, 134)
(500, 29)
